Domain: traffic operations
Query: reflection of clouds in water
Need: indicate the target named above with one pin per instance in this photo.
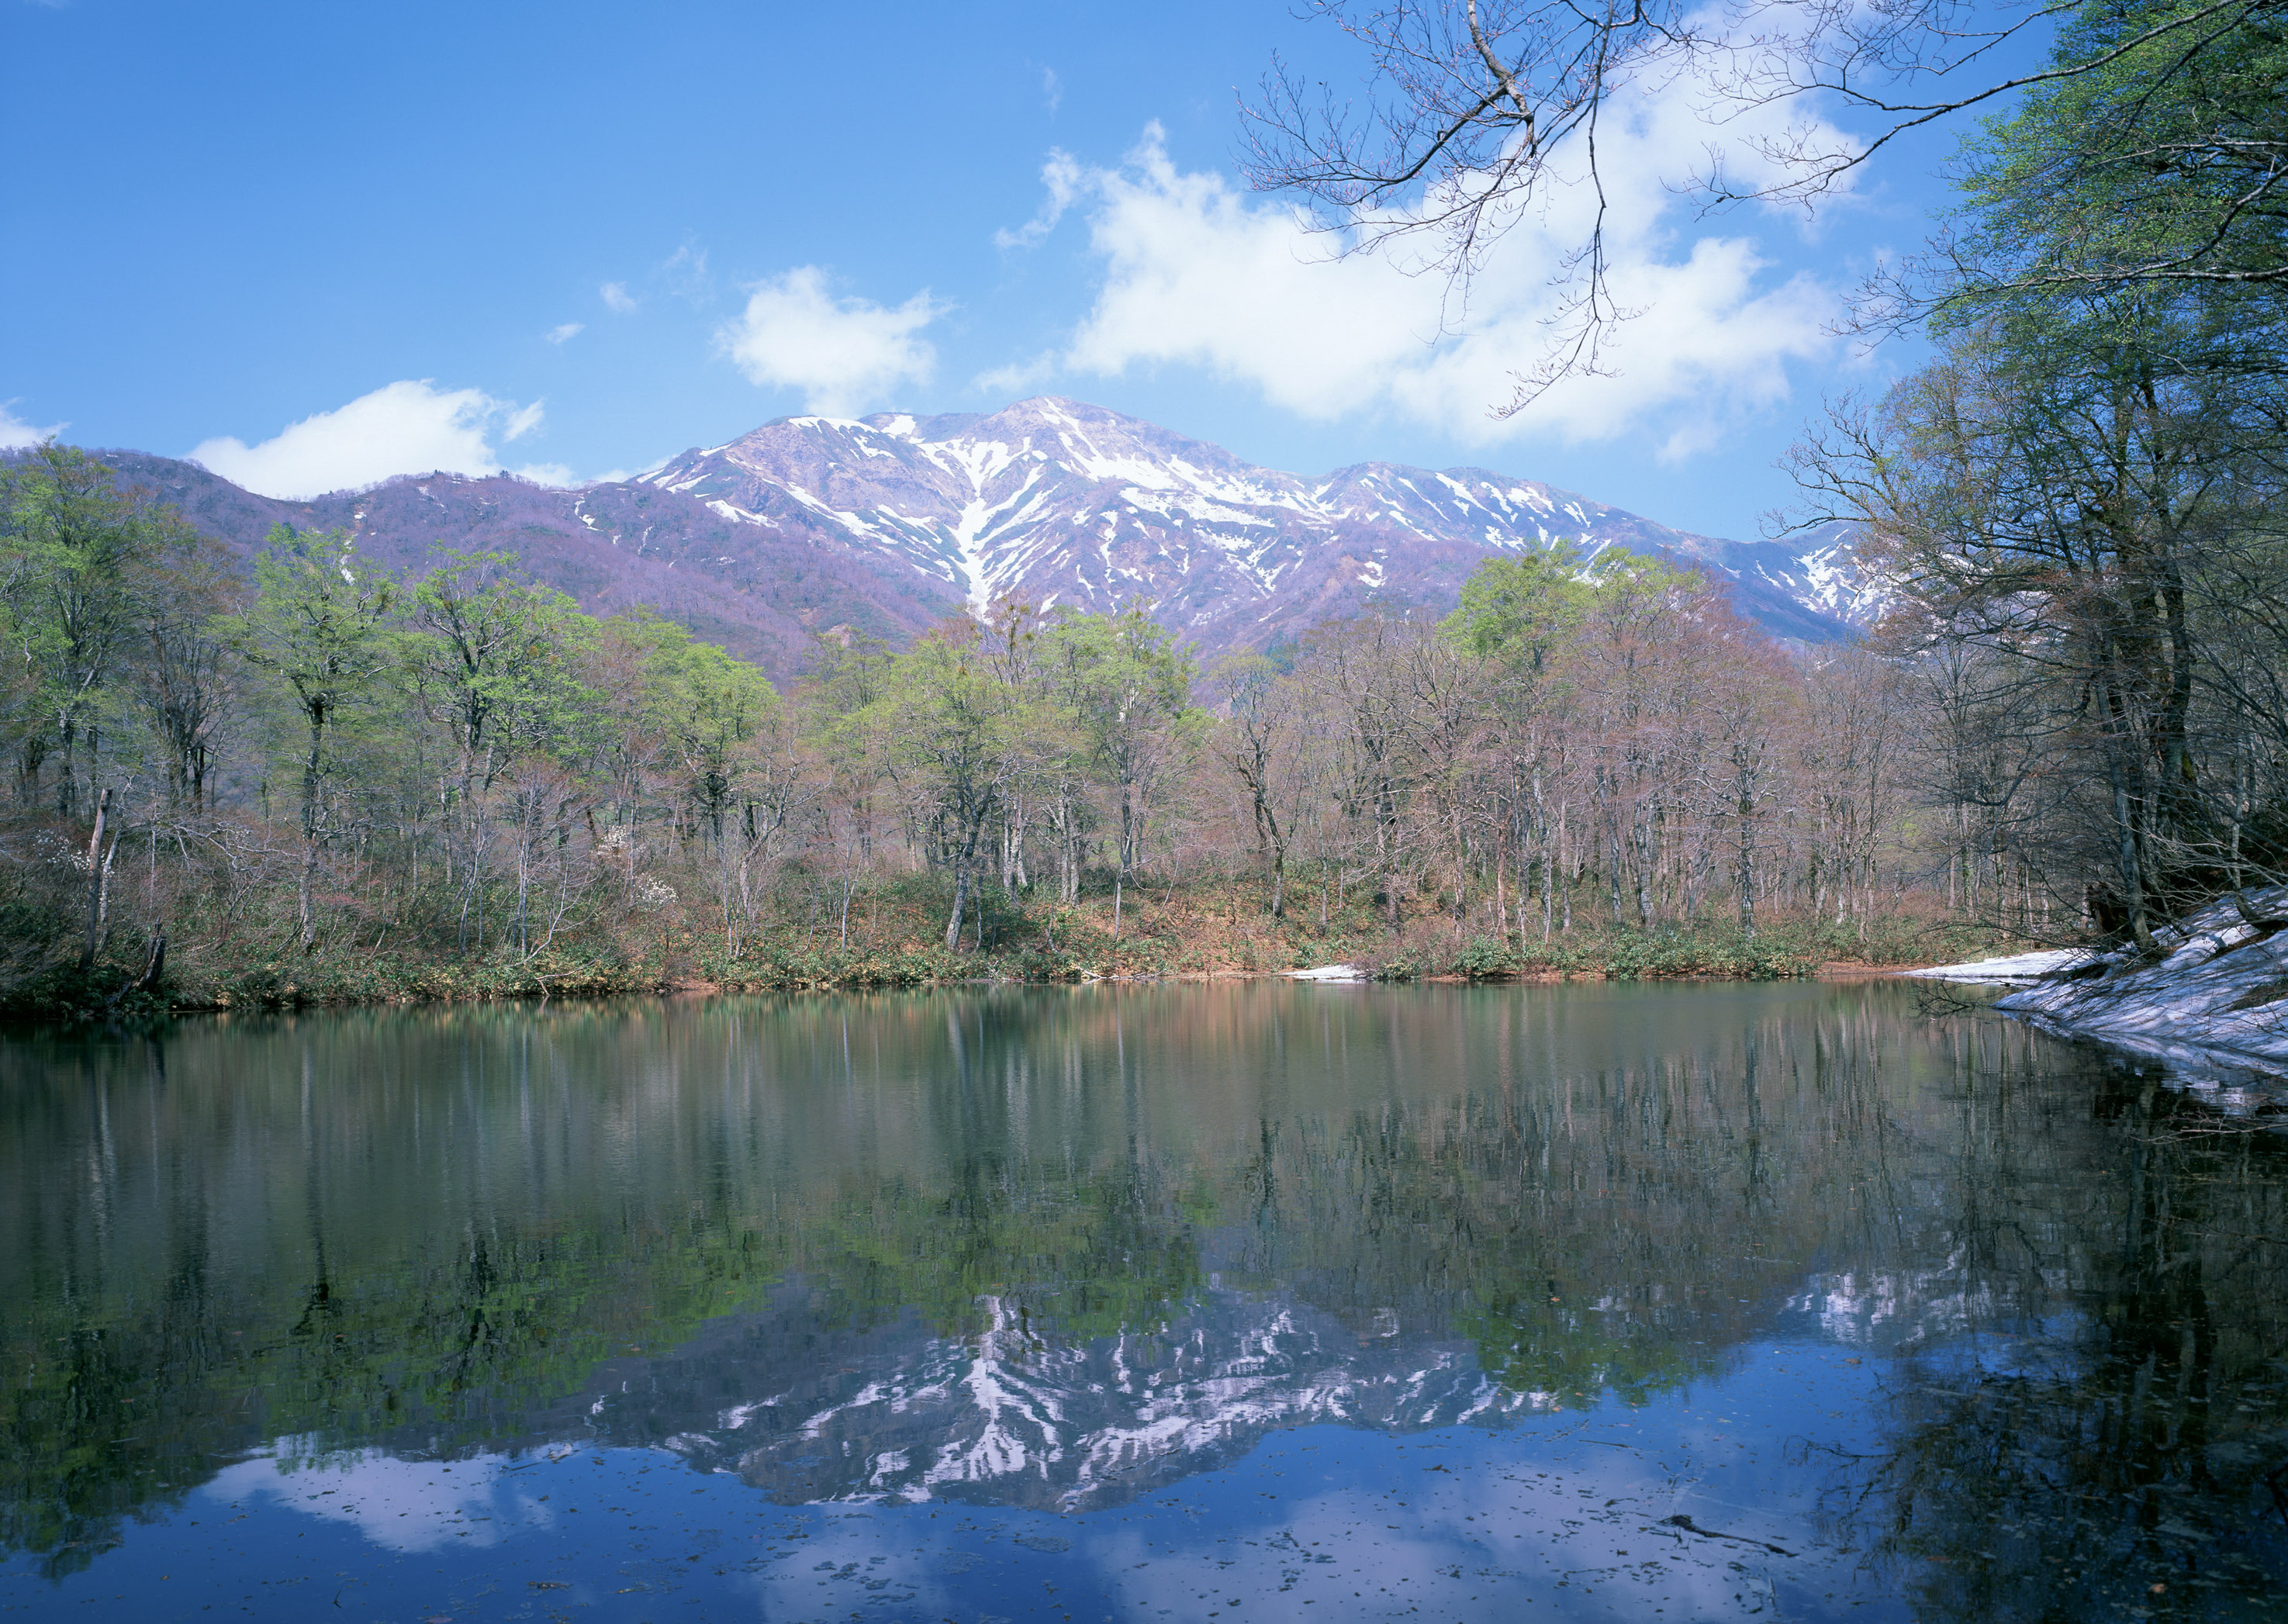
(1315, 1554)
(857, 1561)
(404, 1505)
(1475, 1547)
(1465, 1527)
(1475, 1539)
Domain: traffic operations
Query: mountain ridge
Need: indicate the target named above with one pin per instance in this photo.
(963, 499)
(883, 525)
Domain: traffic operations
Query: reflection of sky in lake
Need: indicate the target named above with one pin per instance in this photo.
(1238, 1301)
(1564, 1509)
(398, 1505)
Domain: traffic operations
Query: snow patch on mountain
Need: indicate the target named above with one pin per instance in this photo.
(1054, 499)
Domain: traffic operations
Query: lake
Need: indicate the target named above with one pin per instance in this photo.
(1673, 1301)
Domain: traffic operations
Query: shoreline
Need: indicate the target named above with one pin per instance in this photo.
(135, 1007)
(2213, 1001)
(1208, 929)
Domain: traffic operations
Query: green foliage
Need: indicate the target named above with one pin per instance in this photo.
(504, 796)
(2159, 167)
(1482, 956)
(711, 708)
(1570, 1355)
(1127, 687)
(1519, 608)
(318, 620)
(498, 660)
(955, 722)
(319, 623)
(2081, 500)
(84, 568)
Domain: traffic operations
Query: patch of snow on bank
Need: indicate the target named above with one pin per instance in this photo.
(2219, 990)
(1327, 972)
(2016, 967)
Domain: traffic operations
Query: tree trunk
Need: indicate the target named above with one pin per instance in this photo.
(156, 966)
(98, 871)
(304, 907)
(2132, 874)
(1747, 876)
(964, 859)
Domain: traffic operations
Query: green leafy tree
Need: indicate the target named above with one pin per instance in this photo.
(717, 708)
(1522, 607)
(2080, 501)
(2063, 497)
(318, 625)
(2154, 157)
(184, 680)
(497, 659)
(956, 732)
(730, 743)
(1129, 686)
(487, 650)
(82, 569)
(846, 677)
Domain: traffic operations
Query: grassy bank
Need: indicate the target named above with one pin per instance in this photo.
(894, 937)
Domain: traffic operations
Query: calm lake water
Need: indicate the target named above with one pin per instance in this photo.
(1261, 1301)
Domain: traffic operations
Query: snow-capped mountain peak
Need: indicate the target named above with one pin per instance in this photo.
(1056, 500)
(883, 524)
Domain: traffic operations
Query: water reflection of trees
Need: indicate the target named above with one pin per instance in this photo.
(2103, 1435)
(428, 1230)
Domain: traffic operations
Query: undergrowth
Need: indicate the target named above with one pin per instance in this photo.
(894, 937)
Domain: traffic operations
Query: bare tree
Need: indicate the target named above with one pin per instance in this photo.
(1477, 112)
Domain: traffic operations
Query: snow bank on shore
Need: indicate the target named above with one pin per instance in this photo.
(1327, 972)
(2218, 993)
(2017, 967)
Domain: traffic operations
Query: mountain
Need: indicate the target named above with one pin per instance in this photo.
(1057, 502)
(884, 524)
(760, 594)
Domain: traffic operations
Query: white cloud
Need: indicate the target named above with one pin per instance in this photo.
(1197, 273)
(564, 477)
(1065, 181)
(685, 271)
(15, 433)
(843, 354)
(565, 332)
(616, 297)
(406, 427)
(1052, 89)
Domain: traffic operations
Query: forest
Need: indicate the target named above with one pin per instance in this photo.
(297, 778)
(326, 776)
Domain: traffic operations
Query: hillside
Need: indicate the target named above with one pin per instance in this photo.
(884, 524)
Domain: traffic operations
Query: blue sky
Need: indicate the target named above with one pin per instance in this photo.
(577, 239)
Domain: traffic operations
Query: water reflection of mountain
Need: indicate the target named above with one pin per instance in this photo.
(1053, 1249)
(1008, 1416)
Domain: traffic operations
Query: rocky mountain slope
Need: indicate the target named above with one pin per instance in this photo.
(1057, 502)
(759, 594)
(884, 524)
